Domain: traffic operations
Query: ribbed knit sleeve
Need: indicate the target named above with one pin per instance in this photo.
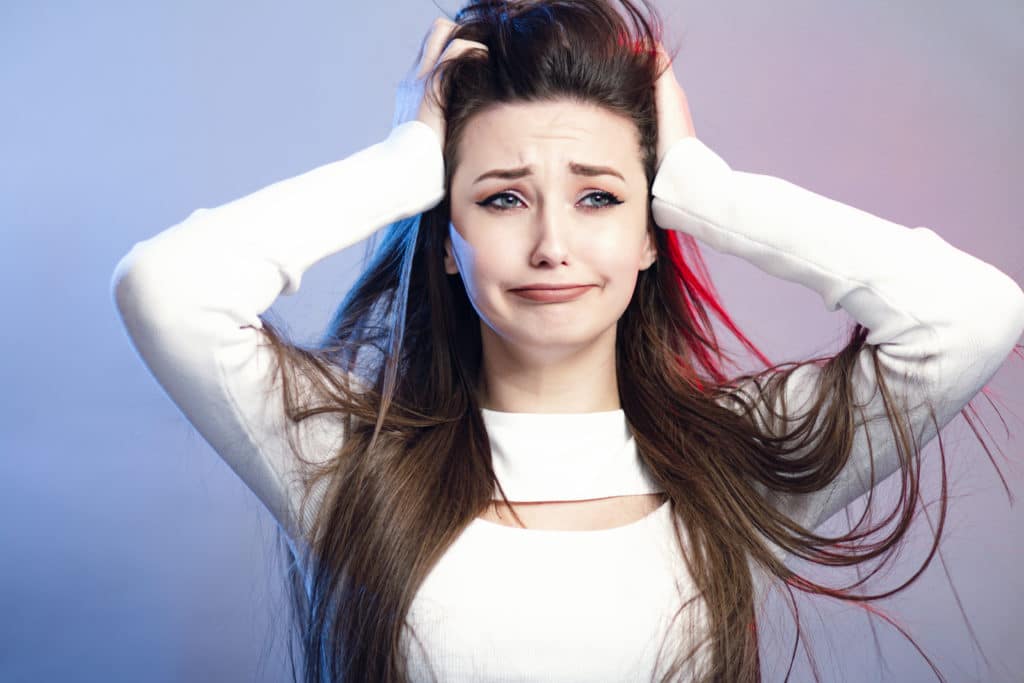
(190, 296)
(943, 320)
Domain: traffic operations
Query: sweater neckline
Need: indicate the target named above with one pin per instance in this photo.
(545, 457)
(658, 513)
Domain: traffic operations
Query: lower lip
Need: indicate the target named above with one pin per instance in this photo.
(552, 295)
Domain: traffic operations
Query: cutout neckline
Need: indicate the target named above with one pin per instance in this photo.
(622, 528)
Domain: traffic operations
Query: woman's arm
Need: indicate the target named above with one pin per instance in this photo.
(943, 320)
(190, 297)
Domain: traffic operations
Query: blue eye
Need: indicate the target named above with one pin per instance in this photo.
(610, 199)
(489, 202)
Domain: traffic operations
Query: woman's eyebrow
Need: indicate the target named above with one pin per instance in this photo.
(574, 167)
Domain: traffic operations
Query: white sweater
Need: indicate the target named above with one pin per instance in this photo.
(509, 604)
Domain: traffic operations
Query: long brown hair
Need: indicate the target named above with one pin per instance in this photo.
(400, 361)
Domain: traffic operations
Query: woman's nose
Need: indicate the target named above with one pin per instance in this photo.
(551, 234)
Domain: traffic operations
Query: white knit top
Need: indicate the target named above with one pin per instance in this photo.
(510, 604)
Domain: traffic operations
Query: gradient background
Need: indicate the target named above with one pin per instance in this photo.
(130, 552)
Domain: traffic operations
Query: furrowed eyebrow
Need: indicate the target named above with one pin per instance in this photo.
(575, 168)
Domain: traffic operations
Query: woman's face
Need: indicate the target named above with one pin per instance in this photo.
(550, 193)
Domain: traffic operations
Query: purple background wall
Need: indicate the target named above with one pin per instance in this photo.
(131, 552)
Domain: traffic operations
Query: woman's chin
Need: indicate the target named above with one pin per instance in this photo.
(556, 340)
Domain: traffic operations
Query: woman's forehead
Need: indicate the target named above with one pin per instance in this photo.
(552, 135)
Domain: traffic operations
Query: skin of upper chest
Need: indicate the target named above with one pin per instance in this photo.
(576, 515)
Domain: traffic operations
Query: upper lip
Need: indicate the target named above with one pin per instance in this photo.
(548, 285)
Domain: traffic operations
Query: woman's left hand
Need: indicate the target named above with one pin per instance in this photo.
(674, 120)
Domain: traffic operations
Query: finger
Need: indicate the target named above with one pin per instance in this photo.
(458, 47)
(454, 49)
(434, 43)
(664, 60)
(423, 47)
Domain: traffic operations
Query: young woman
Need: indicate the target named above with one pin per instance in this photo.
(516, 454)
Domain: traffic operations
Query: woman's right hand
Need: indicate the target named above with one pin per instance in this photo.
(413, 101)
(673, 109)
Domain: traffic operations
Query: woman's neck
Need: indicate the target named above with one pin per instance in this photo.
(578, 381)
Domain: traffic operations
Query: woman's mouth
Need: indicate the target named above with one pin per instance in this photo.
(548, 295)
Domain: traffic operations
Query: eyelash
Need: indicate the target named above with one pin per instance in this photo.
(612, 200)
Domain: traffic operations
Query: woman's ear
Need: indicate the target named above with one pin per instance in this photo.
(450, 267)
(650, 252)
